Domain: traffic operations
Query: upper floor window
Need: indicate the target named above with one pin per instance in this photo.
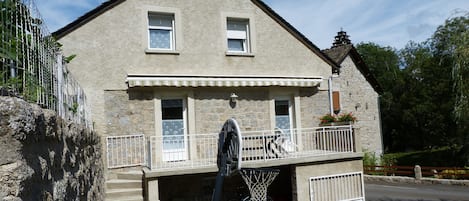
(161, 31)
(238, 35)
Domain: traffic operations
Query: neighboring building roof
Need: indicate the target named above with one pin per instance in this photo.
(340, 52)
(111, 3)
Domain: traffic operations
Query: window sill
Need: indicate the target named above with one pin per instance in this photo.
(240, 54)
(170, 52)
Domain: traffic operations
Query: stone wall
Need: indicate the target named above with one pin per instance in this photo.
(129, 112)
(45, 157)
(314, 104)
(212, 109)
(357, 96)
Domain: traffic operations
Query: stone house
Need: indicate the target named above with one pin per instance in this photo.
(162, 76)
(358, 92)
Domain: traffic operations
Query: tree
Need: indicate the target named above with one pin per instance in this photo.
(427, 101)
(451, 46)
(384, 65)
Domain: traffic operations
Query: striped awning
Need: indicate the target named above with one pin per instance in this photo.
(219, 81)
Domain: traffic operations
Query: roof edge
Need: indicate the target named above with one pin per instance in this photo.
(365, 70)
(297, 34)
(86, 18)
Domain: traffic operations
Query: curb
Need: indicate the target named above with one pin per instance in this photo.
(410, 180)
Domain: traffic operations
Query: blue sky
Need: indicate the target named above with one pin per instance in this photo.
(385, 22)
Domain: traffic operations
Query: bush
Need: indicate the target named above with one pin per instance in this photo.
(441, 157)
(370, 159)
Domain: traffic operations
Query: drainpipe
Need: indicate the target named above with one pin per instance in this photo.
(331, 108)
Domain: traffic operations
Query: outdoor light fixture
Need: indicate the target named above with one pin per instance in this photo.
(233, 97)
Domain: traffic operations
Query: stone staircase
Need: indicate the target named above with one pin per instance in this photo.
(126, 186)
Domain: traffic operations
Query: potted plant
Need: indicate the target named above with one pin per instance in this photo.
(347, 118)
(343, 119)
(327, 119)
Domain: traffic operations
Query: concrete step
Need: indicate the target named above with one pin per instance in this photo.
(124, 194)
(123, 184)
(135, 175)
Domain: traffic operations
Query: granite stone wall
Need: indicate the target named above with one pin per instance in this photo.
(213, 108)
(314, 104)
(357, 96)
(45, 157)
(129, 112)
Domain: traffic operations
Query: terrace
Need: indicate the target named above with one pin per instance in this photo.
(197, 153)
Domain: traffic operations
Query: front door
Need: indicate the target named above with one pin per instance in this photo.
(173, 129)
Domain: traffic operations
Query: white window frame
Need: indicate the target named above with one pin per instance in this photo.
(237, 35)
(171, 29)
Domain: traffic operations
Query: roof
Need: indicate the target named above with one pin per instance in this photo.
(264, 7)
(339, 53)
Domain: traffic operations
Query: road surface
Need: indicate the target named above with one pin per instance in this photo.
(380, 191)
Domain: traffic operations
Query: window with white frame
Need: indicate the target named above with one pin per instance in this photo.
(237, 32)
(161, 31)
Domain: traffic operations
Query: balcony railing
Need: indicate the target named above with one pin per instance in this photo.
(200, 150)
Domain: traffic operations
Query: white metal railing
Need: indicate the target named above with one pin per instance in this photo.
(200, 150)
(348, 186)
(180, 151)
(126, 151)
(278, 144)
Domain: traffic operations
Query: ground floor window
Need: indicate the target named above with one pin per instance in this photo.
(173, 129)
(283, 115)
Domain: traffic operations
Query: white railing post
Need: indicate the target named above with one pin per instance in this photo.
(351, 139)
(264, 144)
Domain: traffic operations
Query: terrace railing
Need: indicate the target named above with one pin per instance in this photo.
(200, 150)
(126, 151)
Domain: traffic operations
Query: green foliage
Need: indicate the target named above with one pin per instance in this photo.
(348, 117)
(370, 159)
(388, 160)
(425, 104)
(73, 108)
(442, 157)
(328, 118)
(69, 58)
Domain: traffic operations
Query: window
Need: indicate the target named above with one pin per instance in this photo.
(173, 129)
(238, 35)
(283, 115)
(161, 31)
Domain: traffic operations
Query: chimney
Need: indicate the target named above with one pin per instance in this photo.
(341, 39)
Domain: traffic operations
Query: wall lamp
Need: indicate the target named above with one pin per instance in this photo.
(233, 98)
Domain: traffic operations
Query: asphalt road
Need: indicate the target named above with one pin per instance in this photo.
(415, 192)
